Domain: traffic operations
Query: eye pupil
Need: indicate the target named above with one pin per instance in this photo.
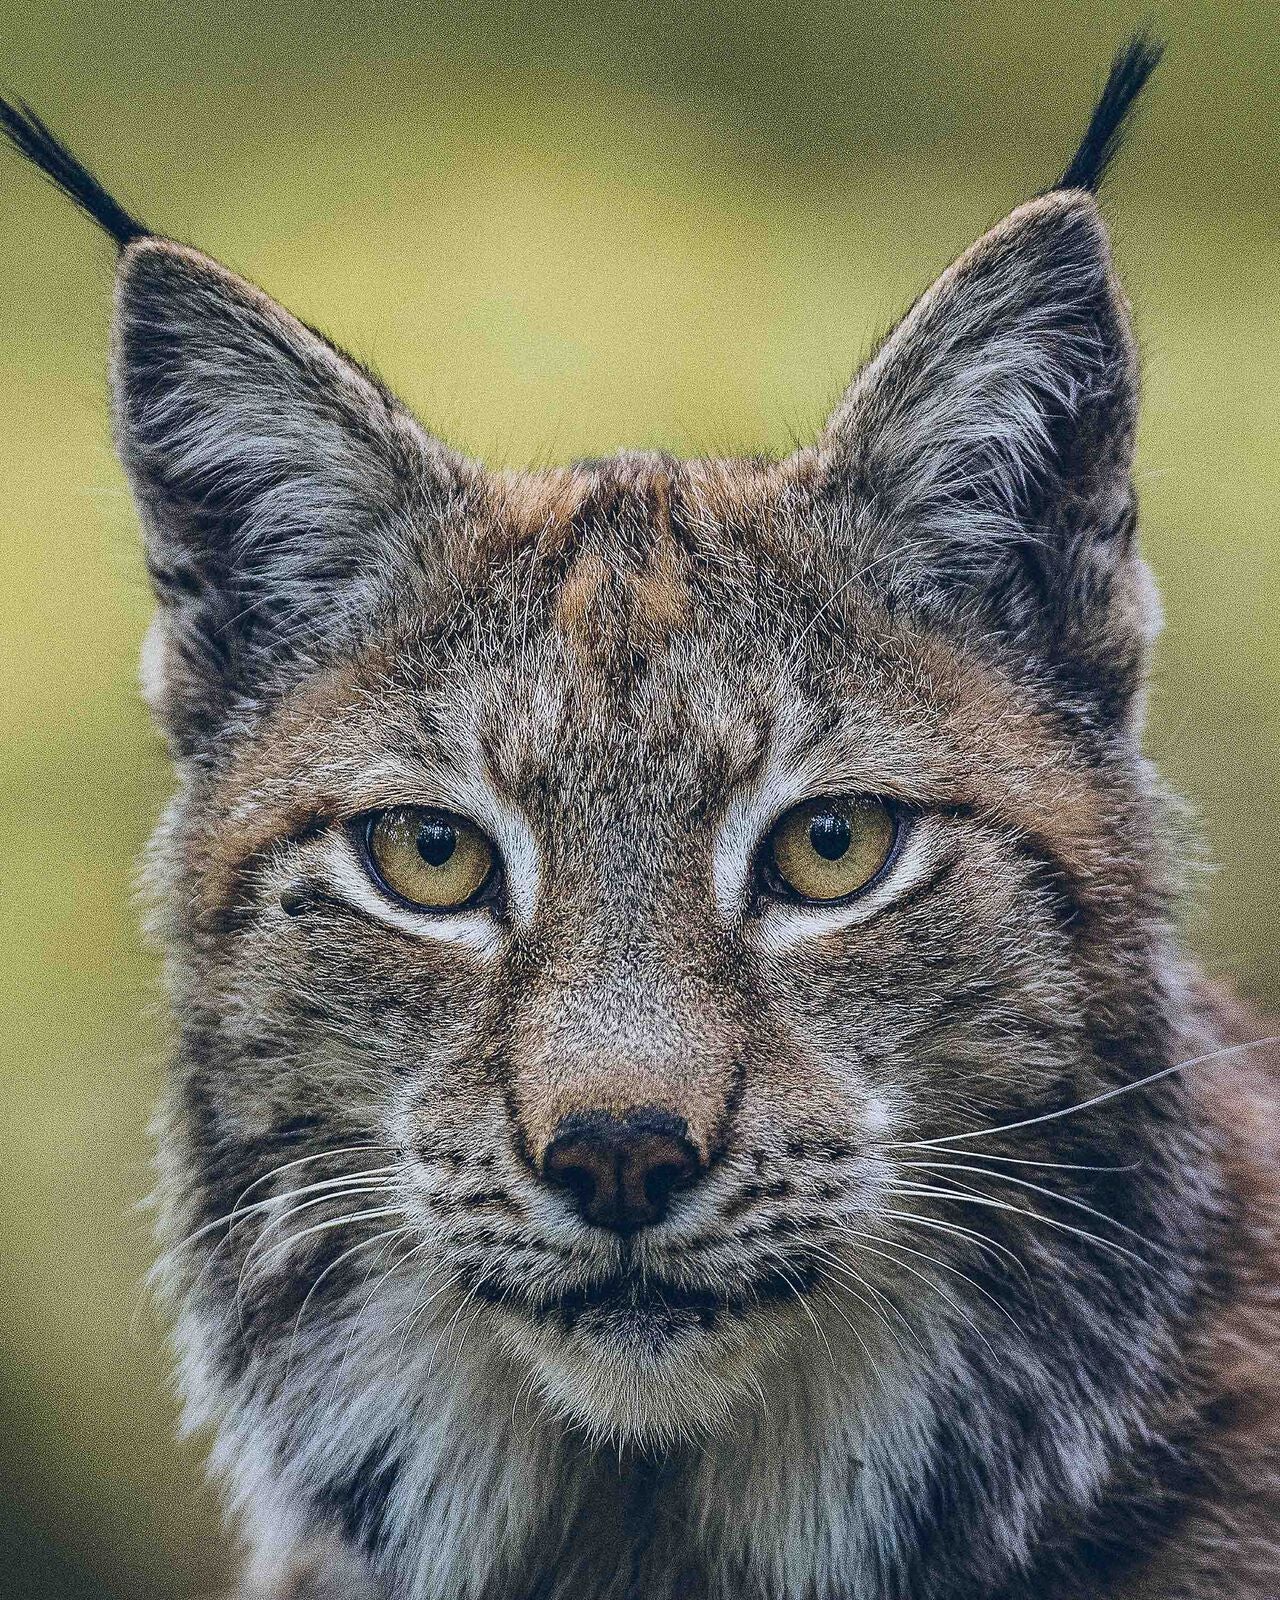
(436, 842)
(829, 834)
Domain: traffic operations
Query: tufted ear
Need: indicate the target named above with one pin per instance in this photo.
(986, 450)
(283, 490)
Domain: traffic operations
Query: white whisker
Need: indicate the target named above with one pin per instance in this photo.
(239, 1212)
(1016, 1161)
(981, 1240)
(1108, 1094)
(361, 1244)
(1025, 1183)
(848, 1322)
(937, 1261)
(344, 1221)
(847, 1272)
(401, 1260)
(971, 1199)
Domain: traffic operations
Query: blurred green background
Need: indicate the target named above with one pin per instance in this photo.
(556, 231)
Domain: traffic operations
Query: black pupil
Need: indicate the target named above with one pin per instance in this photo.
(829, 835)
(436, 842)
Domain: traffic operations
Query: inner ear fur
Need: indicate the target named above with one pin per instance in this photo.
(984, 453)
(283, 489)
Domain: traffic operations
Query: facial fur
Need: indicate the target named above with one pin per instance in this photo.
(915, 1287)
(626, 697)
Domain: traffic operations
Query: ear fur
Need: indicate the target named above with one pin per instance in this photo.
(282, 488)
(986, 448)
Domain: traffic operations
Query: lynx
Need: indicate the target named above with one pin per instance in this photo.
(686, 1083)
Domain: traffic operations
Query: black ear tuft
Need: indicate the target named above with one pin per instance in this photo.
(31, 138)
(1107, 126)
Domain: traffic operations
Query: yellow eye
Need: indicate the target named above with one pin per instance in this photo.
(827, 850)
(432, 859)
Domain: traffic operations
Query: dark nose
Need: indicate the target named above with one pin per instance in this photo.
(621, 1171)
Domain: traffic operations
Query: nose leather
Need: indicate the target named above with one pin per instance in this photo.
(621, 1171)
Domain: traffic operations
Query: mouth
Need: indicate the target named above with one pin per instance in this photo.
(660, 1306)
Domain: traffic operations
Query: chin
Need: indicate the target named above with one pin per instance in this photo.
(647, 1368)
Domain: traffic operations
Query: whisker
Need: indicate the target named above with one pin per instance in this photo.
(341, 1184)
(892, 1256)
(449, 1326)
(947, 1266)
(420, 1305)
(239, 1212)
(848, 1322)
(1016, 1161)
(1037, 1188)
(402, 1260)
(524, 1388)
(229, 1220)
(1108, 1094)
(783, 1266)
(958, 1309)
(850, 1278)
(981, 1240)
(844, 1270)
(307, 1205)
(361, 1244)
(302, 1161)
(462, 1342)
(971, 1199)
(756, 1390)
(328, 1226)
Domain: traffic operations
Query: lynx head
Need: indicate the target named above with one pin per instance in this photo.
(610, 907)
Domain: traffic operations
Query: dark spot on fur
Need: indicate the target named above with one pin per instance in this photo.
(358, 1503)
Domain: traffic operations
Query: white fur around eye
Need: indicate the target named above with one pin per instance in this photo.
(745, 823)
(510, 833)
(347, 879)
(785, 923)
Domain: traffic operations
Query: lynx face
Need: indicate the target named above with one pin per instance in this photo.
(636, 1108)
(603, 897)
(655, 946)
